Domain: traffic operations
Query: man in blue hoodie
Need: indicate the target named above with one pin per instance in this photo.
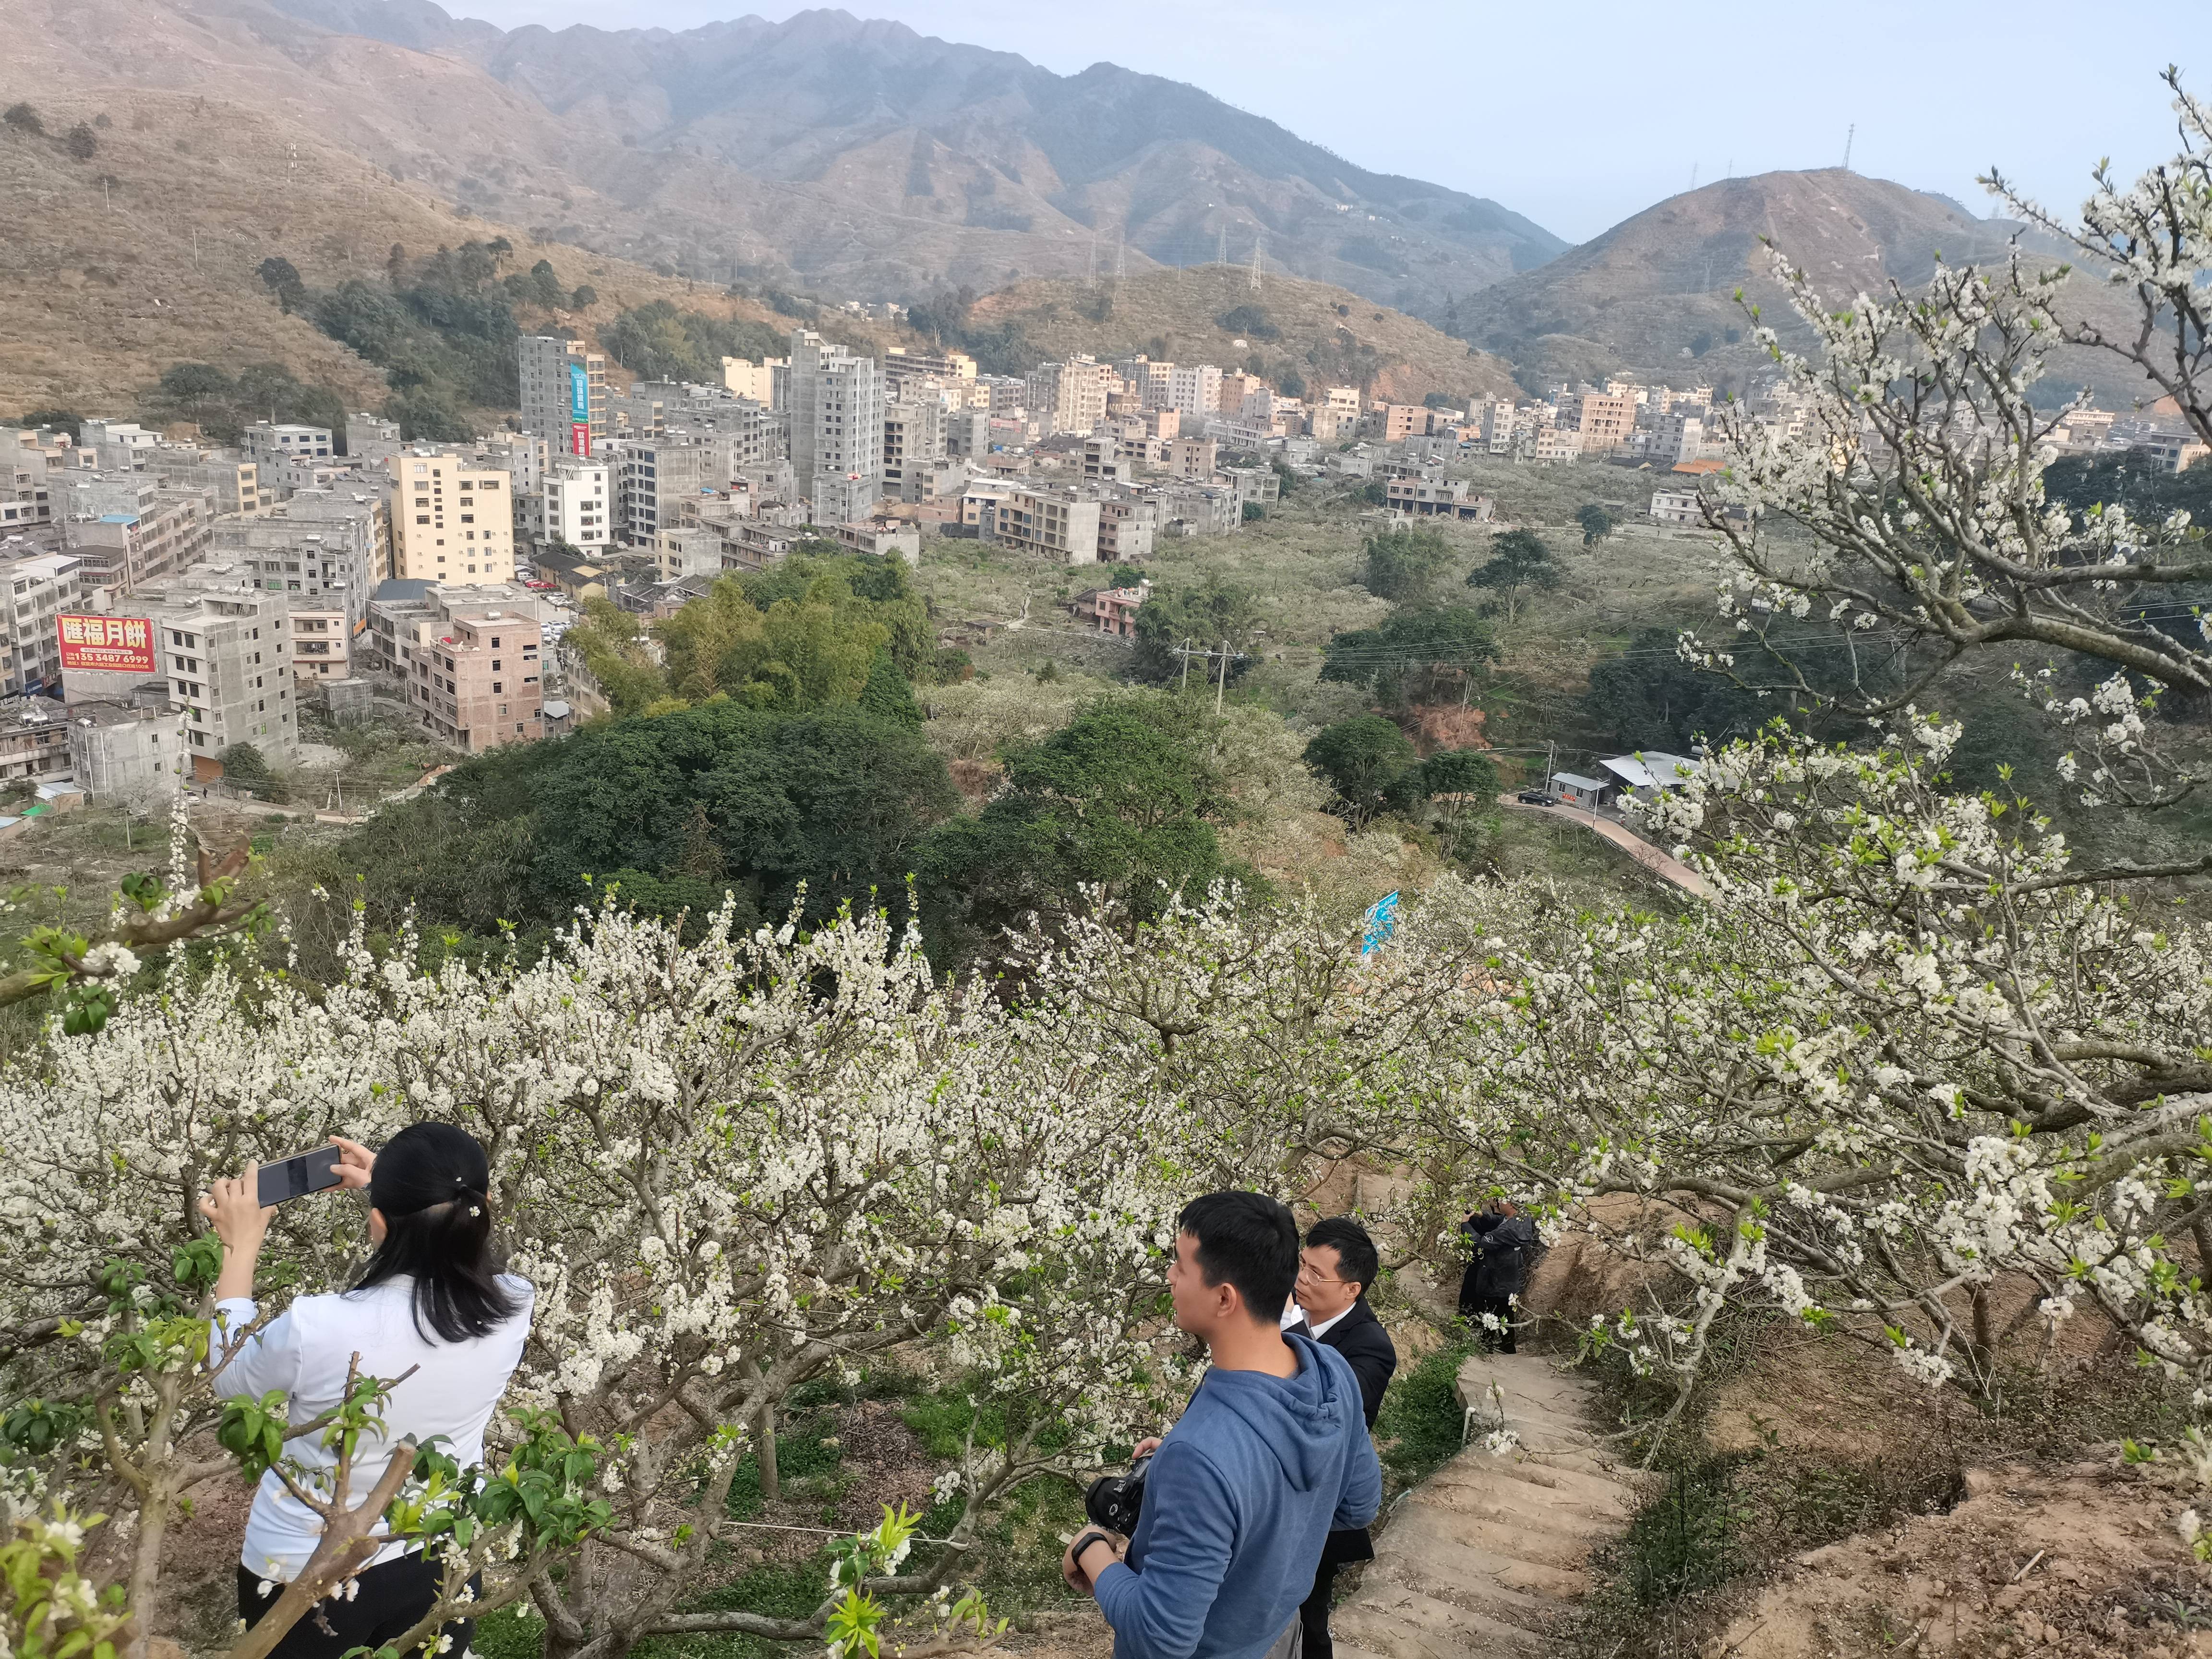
(1271, 1455)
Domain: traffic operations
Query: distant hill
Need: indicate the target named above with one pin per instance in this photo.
(145, 255)
(824, 152)
(1655, 295)
(1322, 334)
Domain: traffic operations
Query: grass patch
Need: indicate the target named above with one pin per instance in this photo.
(1421, 1421)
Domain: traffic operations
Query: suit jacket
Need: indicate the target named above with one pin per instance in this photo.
(1366, 1346)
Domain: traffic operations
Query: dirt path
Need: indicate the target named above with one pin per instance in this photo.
(1486, 1556)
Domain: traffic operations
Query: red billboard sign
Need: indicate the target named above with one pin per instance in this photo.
(580, 437)
(113, 644)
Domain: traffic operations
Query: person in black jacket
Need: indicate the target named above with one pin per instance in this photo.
(1334, 1270)
(1500, 1241)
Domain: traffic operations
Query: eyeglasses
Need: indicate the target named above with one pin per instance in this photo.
(1323, 1279)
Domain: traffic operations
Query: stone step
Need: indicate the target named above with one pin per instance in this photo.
(1501, 1506)
(1400, 1622)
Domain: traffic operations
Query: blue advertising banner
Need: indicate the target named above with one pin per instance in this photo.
(1378, 924)
(579, 394)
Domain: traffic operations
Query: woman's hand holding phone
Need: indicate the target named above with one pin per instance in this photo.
(233, 1206)
(355, 1162)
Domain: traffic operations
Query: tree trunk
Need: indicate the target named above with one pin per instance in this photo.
(771, 1477)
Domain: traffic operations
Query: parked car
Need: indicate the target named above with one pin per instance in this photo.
(1536, 798)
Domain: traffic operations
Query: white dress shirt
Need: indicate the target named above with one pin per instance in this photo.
(305, 1350)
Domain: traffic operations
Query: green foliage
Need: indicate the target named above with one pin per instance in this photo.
(21, 118)
(242, 763)
(657, 342)
(1418, 1428)
(540, 286)
(585, 297)
(1598, 521)
(48, 1608)
(1253, 511)
(1000, 349)
(1403, 564)
(1688, 1538)
(1251, 321)
(61, 420)
(1520, 565)
(80, 143)
(224, 407)
(1368, 762)
(887, 694)
(282, 278)
(1459, 772)
(722, 795)
(1417, 654)
(1123, 798)
(1204, 617)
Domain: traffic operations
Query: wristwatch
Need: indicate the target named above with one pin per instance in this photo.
(1085, 1538)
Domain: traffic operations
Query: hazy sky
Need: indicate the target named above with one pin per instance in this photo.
(1579, 115)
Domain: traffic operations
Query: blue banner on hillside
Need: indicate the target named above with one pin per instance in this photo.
(1378, 924)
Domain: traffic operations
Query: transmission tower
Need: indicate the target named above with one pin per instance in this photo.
(1258, 252)
(1221, 247)
(1851, 132)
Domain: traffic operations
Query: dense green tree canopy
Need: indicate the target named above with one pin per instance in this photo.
(1123, 798)
(1520, 566)
(1404, 563)
(1205, 617)
(657, 342)
(722, 795)
(1367, 760)
(1417, 653)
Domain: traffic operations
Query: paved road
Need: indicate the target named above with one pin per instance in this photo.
(1661, 864)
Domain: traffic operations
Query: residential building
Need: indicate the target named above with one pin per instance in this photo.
(223, 648)
(1602, 419)
(523, 457)
(39, 587)
(1111, 609)
(237, 487)
(762, 383)
(1433, 498)
(1193, 459)
(2175, 452)
(328, 547)
(1152, 383)
(268, 443)
(1046, 524)
(475, 671)
(1235, 387)
(1499, 424)
(904, 370)
(321, 644)
(371, 440)
(1395, 421)
(564, 394)
(128, 750)
(1556, 443)
(836, 405)
(127, 530)
(1127, 527)
(916, 444)
(659, 482)
(886, 538)
(692, 549)
(576, 505)
(1105, 462)
(1196, 390)
(35, 740)
(1200, 509)
(1070, 396)
(116, 445)
(449, 517)
(1259, 486)
(1677, 506)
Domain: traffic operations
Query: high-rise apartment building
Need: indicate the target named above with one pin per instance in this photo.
(451, 520)
(1195, 389)
(224, 647)
(916, 435)
(564, 394)
(1070, 396)
(38, 588)
(836, 405)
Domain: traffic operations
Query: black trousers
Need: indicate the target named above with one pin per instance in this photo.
(393, 1596)
(1313, 1613)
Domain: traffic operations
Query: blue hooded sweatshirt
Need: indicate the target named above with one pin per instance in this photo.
(1238, 1501)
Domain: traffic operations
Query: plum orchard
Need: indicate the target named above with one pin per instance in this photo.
(729, 1169)
(1904, 1048)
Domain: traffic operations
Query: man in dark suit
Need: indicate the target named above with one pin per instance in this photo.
(1334, 1269)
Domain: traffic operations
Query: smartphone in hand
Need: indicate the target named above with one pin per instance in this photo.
(298, 1176)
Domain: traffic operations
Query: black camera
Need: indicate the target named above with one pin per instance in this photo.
(1114, 1501)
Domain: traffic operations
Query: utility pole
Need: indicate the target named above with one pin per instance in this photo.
(1221, 684)
(1185, 654)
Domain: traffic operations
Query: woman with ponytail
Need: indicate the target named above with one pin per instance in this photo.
(433, 1301)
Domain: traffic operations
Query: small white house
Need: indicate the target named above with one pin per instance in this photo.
(1650, 772)
(1575, 790)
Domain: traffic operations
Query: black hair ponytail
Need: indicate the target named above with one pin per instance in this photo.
(432, 1182)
